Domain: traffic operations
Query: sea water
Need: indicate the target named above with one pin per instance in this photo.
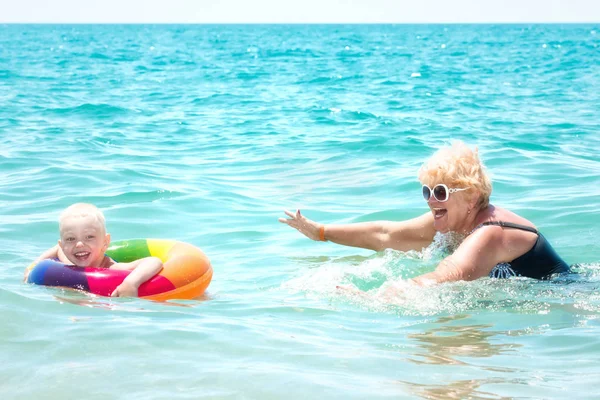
(205, 134)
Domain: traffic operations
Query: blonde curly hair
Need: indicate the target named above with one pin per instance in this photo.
(458, 166)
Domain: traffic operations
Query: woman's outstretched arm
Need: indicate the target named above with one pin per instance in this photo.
(413, 234)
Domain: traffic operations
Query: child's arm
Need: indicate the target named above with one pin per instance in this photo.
(142, 270)
(54, 252)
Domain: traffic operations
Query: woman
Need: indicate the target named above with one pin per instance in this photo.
(494, 242)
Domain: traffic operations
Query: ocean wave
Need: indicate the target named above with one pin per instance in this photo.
(99, 110)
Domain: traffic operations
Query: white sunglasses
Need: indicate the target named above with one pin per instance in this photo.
(440, 192)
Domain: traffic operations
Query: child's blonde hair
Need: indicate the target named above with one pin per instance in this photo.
(458, 167)
(82, 210)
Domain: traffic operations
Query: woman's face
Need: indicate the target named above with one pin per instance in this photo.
(452, 214)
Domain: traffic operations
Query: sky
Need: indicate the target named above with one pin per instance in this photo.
(298, 11)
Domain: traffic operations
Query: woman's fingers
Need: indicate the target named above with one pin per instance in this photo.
(353, 291)
(301, 223)
(290, 214)
(294, 220)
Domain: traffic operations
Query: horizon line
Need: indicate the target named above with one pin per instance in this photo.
(306, 23)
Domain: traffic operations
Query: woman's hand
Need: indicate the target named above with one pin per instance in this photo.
(393, 292)
(305, 226)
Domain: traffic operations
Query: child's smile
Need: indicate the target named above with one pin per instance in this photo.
(83, 240)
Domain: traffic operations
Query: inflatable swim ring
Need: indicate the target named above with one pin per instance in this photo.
(186, 271)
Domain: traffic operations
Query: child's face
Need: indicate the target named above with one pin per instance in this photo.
(83, 240)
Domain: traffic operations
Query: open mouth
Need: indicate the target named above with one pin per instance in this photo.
(439, 212)
(82, 255)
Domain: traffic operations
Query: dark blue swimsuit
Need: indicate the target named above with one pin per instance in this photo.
(540, 262)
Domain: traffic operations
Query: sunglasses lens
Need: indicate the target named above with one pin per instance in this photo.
(426, 193)
(440, 193)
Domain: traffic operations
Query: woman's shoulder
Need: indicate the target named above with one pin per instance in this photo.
(499, 214)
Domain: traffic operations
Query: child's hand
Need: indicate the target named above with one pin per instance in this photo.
(125, 290)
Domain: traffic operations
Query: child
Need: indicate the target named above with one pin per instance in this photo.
(83, 241)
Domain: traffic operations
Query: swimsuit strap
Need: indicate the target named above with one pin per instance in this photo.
(511, 225)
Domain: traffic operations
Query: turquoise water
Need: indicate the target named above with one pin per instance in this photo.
(205, 134)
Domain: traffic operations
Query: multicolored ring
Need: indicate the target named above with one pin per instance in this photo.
(186, 271)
